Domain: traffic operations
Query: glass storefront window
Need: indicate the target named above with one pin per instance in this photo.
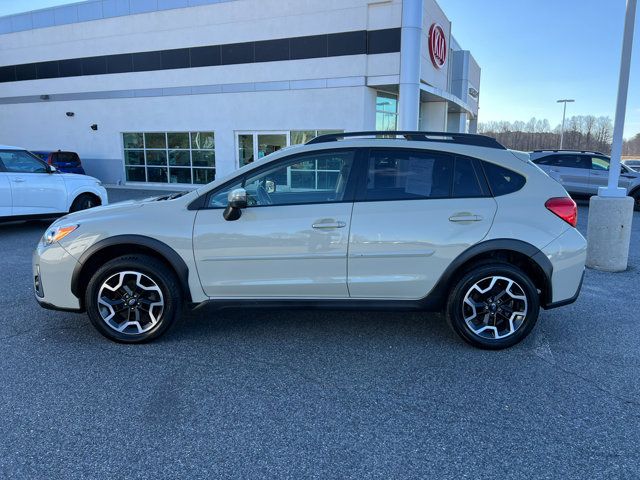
(178, 140)
(169, 157)
(202, 140)
(299, 137)
(245, 149)
(155, 140)
(133, 140)
(386, 111)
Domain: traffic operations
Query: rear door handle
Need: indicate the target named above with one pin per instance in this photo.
(18, 180)
(465, 218)
(328, 225)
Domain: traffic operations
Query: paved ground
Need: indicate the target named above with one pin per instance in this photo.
(248, 394)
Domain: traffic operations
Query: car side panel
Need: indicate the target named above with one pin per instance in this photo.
(5, 195)
(37, 193)
(522, 215)
(399, 249)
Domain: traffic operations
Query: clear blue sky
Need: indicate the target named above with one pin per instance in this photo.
(532, 52)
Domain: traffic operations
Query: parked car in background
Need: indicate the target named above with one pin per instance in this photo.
(30, 188)
(66, 162)
(442, 221)
(583, 172)
(633, 164)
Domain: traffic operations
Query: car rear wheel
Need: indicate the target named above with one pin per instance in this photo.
(493, 306)
(84, 202)
(133, 299)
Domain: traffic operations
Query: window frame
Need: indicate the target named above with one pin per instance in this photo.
(349, 192)
(145, 166)
(361, 189)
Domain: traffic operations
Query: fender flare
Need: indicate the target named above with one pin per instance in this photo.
(438, 295)
(169, 254)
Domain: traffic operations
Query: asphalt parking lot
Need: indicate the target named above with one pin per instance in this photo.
(297, 394)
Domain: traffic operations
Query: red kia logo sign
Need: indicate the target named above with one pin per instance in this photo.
(437, 46)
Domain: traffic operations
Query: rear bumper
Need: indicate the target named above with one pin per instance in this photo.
(567, 254)
(568, 301)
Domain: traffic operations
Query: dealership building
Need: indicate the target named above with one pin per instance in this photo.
(168, 92)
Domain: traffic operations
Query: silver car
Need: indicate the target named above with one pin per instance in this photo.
(581, 173)
(633, 164)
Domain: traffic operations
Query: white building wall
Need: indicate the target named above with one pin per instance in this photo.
(428, 73)
(49, 128)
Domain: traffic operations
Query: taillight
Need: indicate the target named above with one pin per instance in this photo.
(565, 208)
(50, 159)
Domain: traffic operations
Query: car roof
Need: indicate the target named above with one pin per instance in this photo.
(9, 147)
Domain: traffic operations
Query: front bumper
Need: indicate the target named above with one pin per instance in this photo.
(52, 270)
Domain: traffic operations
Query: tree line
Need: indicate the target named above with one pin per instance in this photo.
(581, 132)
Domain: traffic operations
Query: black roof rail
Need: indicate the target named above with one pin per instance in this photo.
(416, 136)
(558, 150)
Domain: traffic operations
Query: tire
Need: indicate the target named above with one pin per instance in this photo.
(84, 202)
(484, 312)
(133, 299)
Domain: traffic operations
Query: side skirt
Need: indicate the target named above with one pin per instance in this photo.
(426, 304)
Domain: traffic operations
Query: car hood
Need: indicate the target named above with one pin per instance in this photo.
(118, 208)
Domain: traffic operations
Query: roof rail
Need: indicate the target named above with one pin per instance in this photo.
(557, 150)
(416, 136)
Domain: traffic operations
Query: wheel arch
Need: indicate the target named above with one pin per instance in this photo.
(113, 247)
(80, 194)
(515, 252)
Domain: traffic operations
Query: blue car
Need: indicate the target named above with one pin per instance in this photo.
(66, 162)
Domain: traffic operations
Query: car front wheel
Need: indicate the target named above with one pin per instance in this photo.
(133, 299)
(493, 306)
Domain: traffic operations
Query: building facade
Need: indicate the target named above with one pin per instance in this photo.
(185, 91)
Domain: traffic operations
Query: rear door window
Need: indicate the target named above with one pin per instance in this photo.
(502, 181)
(397, 174)
(566, 160)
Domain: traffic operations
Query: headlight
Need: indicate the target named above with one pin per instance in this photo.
(57, 233)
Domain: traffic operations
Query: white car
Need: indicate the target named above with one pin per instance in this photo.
(29, 188)
(419, 221)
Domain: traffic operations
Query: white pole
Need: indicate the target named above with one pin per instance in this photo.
(612, 189)
(611, 211)
(564, 113)
(410, 47)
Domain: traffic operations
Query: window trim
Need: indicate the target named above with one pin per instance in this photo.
(349, 192)
(479, 171)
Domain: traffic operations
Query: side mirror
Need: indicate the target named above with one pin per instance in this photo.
(51, 169)
(237, 200)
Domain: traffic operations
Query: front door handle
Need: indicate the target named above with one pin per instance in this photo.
(465, 217)
(18, 180)
(328, 225)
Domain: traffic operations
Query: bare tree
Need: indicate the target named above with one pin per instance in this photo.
(581, 133)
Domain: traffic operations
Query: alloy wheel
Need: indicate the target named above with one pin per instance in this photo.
(494, 307)
(130, 302)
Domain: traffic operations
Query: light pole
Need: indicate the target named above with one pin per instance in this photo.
(611, 212)
(564, 114)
